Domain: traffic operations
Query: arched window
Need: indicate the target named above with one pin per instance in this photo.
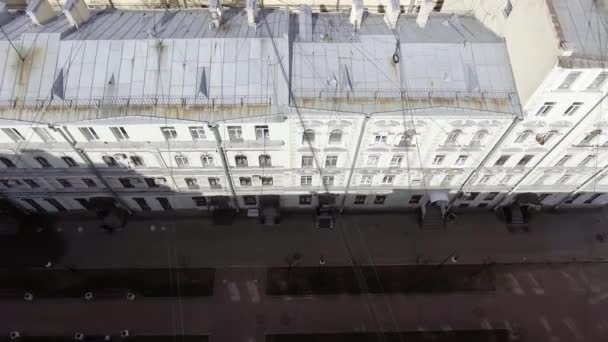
(589, 137)
(407, 138)
(308, 136)
(207, 160)
(181, 161)
(335, 137)
(110, 161)
(265, 160)
(453, 137)
(7, 162)
(70, 161)
(479, 137)
(43, 162)
(523, 136)
(241, 161)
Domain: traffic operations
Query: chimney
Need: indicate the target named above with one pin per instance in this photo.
(40, 11)
(356, 14)
(215, 11)
(77, 12)
(392, 9)
(305, 23)
(425, 10)
(252, 12)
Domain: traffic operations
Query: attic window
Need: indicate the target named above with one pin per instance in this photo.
(508, 8)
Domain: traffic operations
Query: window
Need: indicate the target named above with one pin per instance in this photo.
(9, 183)
(438, 159)
(545, 109)
(541, 180)
(250, 200)
(207, 160)
(89, 183)
(360, 199)
(137, 161)
(373, 160)
(574, 107)
(70, 161)
(307, 161)
(367, 180)
(32, 183)
(380, 138)
(328, 180)
(569, 80)
(141, 202)
(43, 162)
(563, 160)
(415, 199)
(463, 205)
(241, 161)
(572, 199)
(546, 137)
(245, 181)
(120, 133)
(34, 205)
(506, 179)
(181, 161)
(388, 179)
(235, 133)
(169, 133)
(89, 133)
(396, 160)
(265, 160)
(64, 182)
(508, 8)
(490, 196)
(452, 138)
(471, 196)
(14, 134)
(523, 136)
(479, 137)
(213, 182)
(589, 137)
(267, 181)
(587, 160)
(44, 134)
(502, 160)
(484, 179)
(525, 160)
(83, 202)
(262, 132)
(192, 183)
(407, 138)
(482, 205)
(164, 203)
(306, 180)
(110, 161)
(305, 199)
(197, 132)
(331, 161)
(592, 198)
(151, 182)
(335, 137)
(7, 162)
(55, 203)
(461, 160)
(447, 180)
(599, 81)
(200, 201)
(379, 199)
(308, 137)
(564, 179)
(543, 196)
(126, 182)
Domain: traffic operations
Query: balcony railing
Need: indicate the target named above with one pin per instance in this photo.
(396, 93)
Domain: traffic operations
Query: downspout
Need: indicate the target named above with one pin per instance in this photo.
(516, 186)
(354, 163)
(92, 167)
(580, 187)
(220, 148)
(509, 129)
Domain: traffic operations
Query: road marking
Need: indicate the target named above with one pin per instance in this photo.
(597, 299)
(514, 284)
(485, 324)
(573, 329)
(446, 327)
(233, 290)
(537, 288)
(594, 288)
(574, 285)
(252, 288)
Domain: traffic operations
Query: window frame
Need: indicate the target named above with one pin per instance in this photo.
(262, 132)
(197, 133)
(545, 108)
(192, 183)
(89, 133)
(332, 137)
(169, 132)
(245, 181)
(235, 133)
(308, 181)
(70, 162)
(119, 132)
(44, 163)
(569, 80)
(183, 160)
(331, 161)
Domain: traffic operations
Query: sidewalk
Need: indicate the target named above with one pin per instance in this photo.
(382, 239)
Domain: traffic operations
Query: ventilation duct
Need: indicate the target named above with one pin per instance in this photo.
(425, 10)
(356, 14)
(252, 12)
(40, 12)
(77, 12)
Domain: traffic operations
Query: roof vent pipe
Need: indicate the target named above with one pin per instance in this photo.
(425, 10)
(252, 12)
(215, 11)
(356, 14)
(40, 12)
(77, 12)
(392, 9)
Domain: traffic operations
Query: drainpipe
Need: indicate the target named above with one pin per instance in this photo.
(92, 167)
(516, 186)
(354, 163)
(509, 129)
(220, 148)
(580, 187)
